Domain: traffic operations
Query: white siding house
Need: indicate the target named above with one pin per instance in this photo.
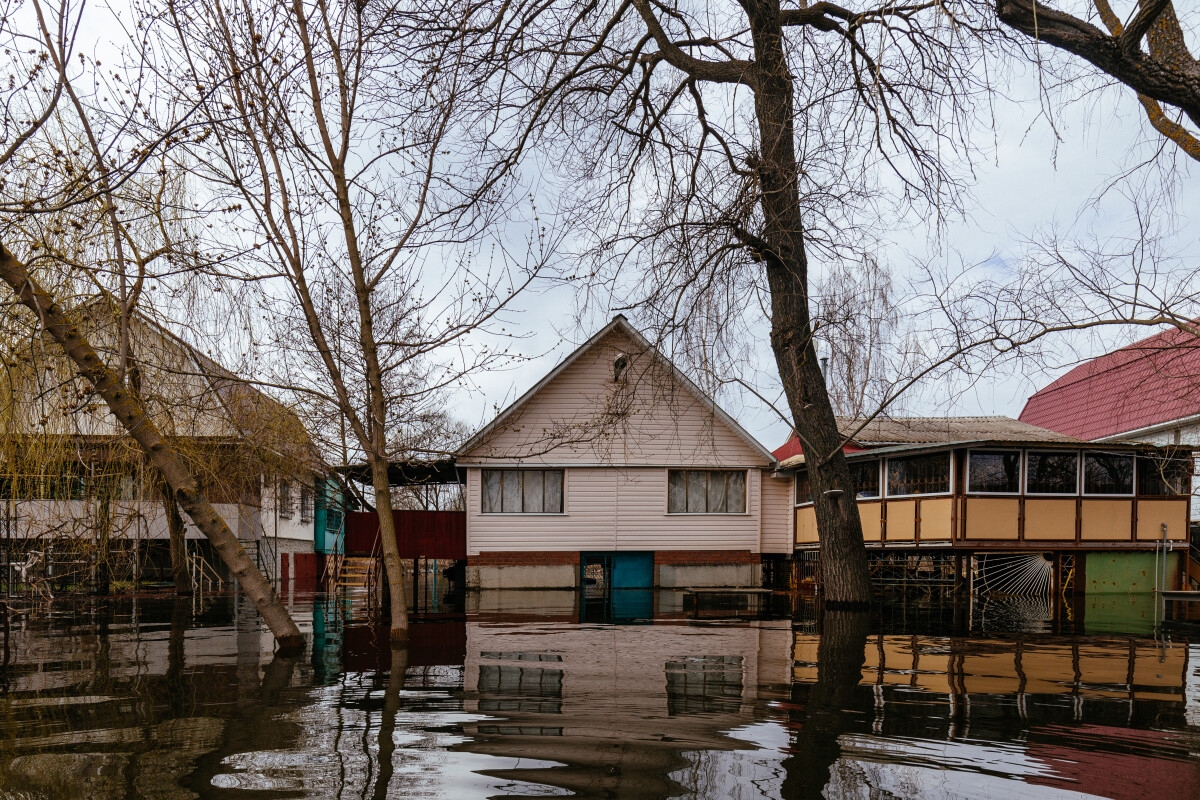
(615, 451)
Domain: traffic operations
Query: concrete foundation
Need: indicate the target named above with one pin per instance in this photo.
(523, 576)
(679, 576)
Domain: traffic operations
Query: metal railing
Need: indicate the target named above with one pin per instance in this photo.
(204, 578)
(267, 558)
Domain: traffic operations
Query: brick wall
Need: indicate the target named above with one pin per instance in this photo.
(705, 557)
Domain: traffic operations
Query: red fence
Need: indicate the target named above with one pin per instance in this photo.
(431, 534)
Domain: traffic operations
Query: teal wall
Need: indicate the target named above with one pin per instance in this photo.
(327, 516)
(1127, 573)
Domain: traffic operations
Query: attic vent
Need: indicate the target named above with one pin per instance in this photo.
(619, 365)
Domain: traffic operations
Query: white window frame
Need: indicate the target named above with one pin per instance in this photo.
(1050, 451)
(667, 494)
(562, 513)
(1020, 471)
(1083, 454)
(889, 496)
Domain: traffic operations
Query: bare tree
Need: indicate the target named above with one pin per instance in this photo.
(111, 153)
(1164, 71)
(350, 165)
(714, 152)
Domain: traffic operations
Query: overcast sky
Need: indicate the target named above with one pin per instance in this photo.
(1030, 185)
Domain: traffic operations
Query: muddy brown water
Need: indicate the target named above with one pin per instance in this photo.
(527, 695)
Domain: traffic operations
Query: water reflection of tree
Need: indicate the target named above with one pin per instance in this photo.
(829, 708)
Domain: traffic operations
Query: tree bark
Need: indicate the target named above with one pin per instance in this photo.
(131, 414)
(177, 532)
(392, 567)
(845, 577)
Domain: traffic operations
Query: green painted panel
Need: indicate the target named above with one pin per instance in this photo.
(1127, 573)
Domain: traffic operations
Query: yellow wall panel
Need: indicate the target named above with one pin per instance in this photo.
(936, 518)
(1050, 519)
(901, 520)
(806, 525)
(1106, 520)
(992, 517)
(1151, 514)
(871, 515)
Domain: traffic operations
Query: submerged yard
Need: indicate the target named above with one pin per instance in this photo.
(530, 694)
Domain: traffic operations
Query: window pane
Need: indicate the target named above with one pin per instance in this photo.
(1052, 473)
(736, 500)
(676, 491)
(1164, 476)
(919, 474)
(1105, 473)
(512, 491)
(697, 500)
(533, 491)
(994, 472)
(491, 491)
(553, 500)
(803, 488)
(716, 492)
(865, 477)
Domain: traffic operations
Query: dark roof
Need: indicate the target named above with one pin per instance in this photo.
(409, 473)
(883, 431)
(933, 430)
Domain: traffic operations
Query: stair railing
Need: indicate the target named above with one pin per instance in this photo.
(268, 561)
(204, 577)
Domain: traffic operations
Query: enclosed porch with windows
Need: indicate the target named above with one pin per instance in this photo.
(1014, 495)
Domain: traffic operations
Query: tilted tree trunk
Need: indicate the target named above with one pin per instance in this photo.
(845, 577)
(177, 532)
(131, 414)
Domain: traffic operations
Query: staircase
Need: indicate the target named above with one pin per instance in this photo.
(357, 572)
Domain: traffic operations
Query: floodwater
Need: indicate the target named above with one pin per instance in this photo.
(514, 694)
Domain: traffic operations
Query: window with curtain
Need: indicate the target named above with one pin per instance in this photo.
(522, 491)
(706, 491)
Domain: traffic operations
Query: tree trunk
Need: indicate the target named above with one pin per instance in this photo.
(176, 532)
(845, 577)
(392, 567)
(126, 408)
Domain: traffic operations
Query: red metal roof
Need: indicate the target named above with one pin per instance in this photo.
(1147, 383)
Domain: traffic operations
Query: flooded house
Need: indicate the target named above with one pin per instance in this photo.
(1000, 505)
(617, 470)
(76, 491)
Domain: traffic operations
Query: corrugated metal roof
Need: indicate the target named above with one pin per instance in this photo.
(1148, 383)
(883, 431)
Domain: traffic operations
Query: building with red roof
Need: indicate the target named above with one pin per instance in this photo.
(1146, 392)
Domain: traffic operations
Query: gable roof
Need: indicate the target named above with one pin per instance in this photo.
(886, 431)
(618, 323)
(1148, 383)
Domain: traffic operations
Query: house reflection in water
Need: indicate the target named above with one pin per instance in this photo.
(618, 707)
(1098, 715)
